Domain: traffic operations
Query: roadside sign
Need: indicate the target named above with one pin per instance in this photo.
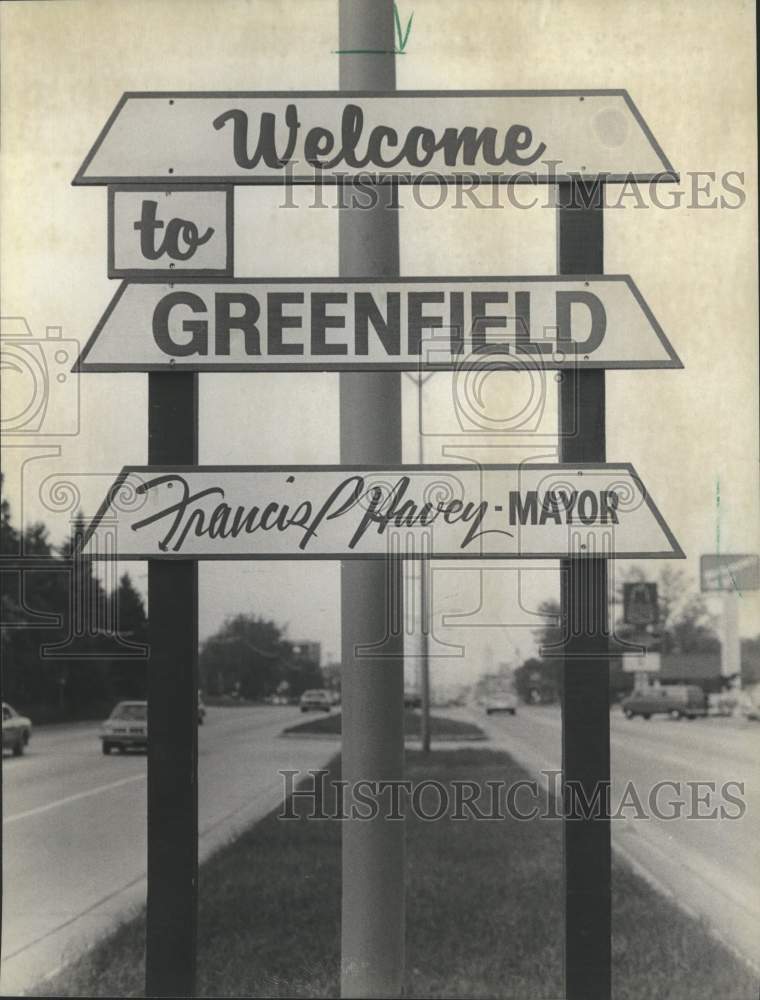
(337, 324)
(643, 663)
(163, 232)
(640, 605)
(729, 572)
(350, 512)
(336, 136)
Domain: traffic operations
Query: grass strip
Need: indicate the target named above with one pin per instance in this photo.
(441, 728)
(484, 914)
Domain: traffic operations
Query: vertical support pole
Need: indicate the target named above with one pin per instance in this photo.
(371, 591)
(731, 657)
(585, 697)
(426, 624)
(172, 716)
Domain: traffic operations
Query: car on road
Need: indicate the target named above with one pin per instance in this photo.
(679, 701)
(17, 730)
(317, 699)
(500, 701)
(126, 728)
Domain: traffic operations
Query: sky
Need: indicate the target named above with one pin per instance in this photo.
(691, 434)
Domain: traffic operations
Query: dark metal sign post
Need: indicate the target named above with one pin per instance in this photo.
(585, 688)
(170, 950)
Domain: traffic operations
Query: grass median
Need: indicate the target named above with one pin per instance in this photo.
(484, 914)
(441, 728)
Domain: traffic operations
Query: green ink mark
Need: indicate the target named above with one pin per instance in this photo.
(402, 37)
(368, 52)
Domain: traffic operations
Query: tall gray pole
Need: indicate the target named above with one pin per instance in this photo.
(426, 609)
(371, 592)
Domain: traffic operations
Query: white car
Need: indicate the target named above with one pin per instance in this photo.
(126, 727)
(317, 698)
(502, 701)
(17, 730)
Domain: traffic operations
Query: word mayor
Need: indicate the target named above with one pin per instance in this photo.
(313, 321)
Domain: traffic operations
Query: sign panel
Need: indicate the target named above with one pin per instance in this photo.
(640, 605)
(337, 136)
(163, 232)
(335, 324)
(644, 663)
(348, 512)
(729, 572)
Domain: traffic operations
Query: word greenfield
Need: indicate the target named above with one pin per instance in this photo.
(333, 323)
(344, 324)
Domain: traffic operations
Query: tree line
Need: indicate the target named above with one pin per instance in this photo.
(70, 647)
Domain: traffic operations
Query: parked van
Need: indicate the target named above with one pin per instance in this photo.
(679, 701)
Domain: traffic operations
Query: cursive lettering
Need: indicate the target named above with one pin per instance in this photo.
(383, 147)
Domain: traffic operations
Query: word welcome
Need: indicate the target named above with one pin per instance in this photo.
(417, 148)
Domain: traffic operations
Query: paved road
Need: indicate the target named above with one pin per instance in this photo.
(74, 826)
(710, 865)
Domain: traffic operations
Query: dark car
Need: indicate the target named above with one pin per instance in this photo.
(679, 701)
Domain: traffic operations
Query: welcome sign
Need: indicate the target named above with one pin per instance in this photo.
(348, 512)
(332, 137)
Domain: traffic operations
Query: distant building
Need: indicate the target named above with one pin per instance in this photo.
(308, 650)
(703, 668)
(691, 668)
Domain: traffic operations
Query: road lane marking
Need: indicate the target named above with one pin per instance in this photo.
(72, 798)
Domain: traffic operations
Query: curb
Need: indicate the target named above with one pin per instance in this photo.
(412, 741)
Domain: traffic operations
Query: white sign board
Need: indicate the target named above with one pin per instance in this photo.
(335, 324)
(345, 512)
(331, 137)
(644, 663)
(729, 572)
(165, 232)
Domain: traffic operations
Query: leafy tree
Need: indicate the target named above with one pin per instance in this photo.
(53, 660)
(247, 654)
(538, 680)
(251, 655)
